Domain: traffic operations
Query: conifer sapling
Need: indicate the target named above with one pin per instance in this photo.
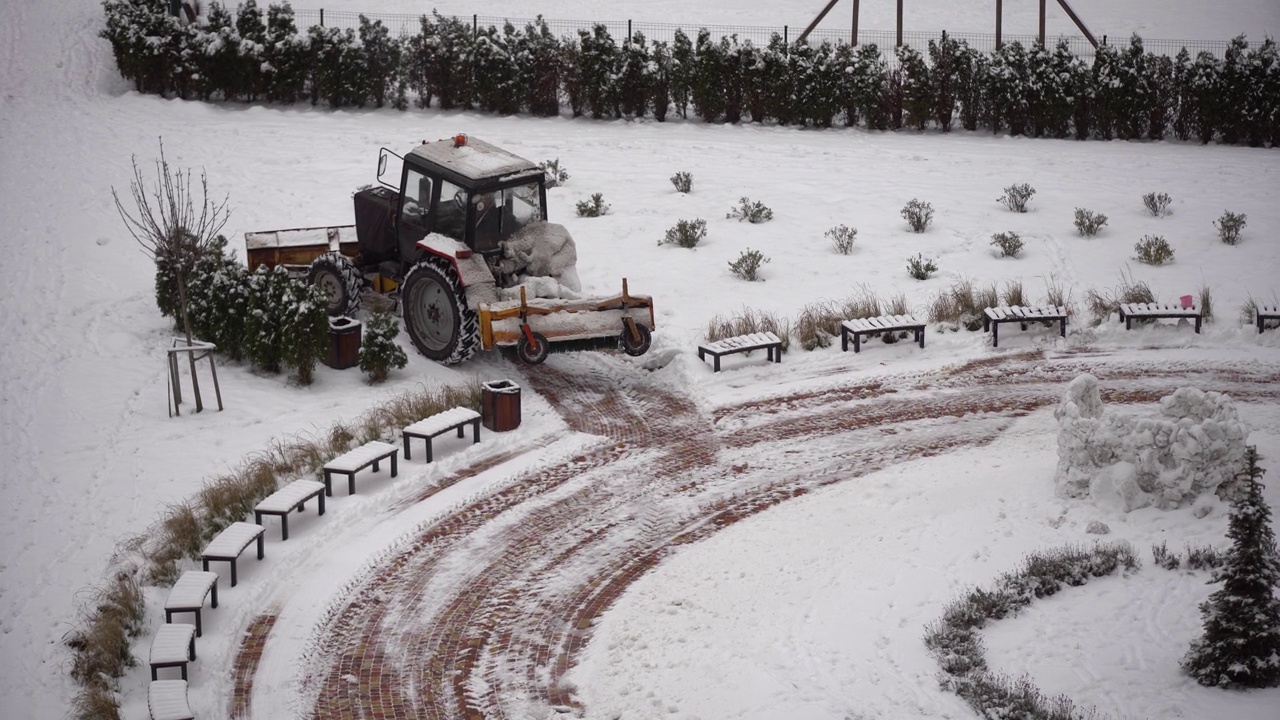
(379, 352)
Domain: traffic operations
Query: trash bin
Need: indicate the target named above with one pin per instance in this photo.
(500, 405)
(344, 343)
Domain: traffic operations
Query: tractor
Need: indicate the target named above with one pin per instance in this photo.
(464, 242)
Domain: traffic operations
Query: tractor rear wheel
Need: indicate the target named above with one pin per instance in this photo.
(436, 316)
(339, 281)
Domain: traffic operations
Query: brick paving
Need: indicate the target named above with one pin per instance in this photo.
(246, 663)
(483, 613)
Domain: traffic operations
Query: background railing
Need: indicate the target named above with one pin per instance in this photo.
(407, 24)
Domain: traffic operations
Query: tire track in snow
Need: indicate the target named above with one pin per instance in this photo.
(485, 611)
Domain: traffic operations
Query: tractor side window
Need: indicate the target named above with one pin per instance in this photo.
(417, 199)
(451, 212)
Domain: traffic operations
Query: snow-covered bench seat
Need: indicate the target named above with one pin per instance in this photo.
(174, 645)
(766, 341)
(167, 700)
(187, 595)
(1145, 311)
(1022, 314)
(288, 498)
(229, 543)
(454, 419)
(857, 327)
(353, 461)
(1265, 313)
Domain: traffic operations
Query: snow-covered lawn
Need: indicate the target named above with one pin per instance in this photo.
(812, 609)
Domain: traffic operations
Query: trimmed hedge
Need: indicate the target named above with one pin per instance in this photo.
(1126, 92)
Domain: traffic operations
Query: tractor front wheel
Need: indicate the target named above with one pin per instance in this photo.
(339, 281)
(436, 315)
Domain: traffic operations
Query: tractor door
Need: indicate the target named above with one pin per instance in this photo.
(415, 211)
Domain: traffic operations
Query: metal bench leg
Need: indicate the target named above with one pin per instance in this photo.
(995, 334)
(213, 602)
(475, 432)
(920, 337)
(407, 456)
(184, 671)
(393, 465)
(844, 339)
(262, 537)
(233, 573)
(153, 673)
(199, 630)
(429, 450)
(351, 483)
(717, 363)
(462, 431)
(1062, 327)
(857, 343)
(191, 649)
(328, 484)
(284, 529)
(375, 464)
(1197, 324)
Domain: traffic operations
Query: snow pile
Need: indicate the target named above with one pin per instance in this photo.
(543, 257)
(1125, 461)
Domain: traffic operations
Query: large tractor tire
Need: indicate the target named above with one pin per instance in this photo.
(436, 316)
(339, 281)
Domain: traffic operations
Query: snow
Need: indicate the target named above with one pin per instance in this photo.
(813, 609)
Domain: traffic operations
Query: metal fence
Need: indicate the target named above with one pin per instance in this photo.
(404, 24)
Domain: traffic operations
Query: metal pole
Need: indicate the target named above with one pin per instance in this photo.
(900, 22)
(1042, 3)
(999, 21)
(1080, 24)
(321, 17)
(855, 23)
(785, 41)
(814, 24)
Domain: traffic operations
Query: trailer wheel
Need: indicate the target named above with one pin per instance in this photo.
(533, 354)
(436, 316)
(633, 348)
(338, 280)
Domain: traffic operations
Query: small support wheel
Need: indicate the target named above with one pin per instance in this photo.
(633, 347)
(535, 352)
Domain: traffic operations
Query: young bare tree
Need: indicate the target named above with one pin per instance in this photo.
(174, 227)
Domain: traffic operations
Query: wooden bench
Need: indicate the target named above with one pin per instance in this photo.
(167, 700)
(857, 327)
(229, 543)
(187, 595)
(1144, 311)
(1265, 313)
(1022, 314)
(174, 645)
(454, 419)
(288, 498)
(353, 461)
(766, 341)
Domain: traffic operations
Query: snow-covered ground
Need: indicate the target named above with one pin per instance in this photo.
(813, 609)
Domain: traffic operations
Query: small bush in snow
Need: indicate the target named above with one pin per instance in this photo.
(1229, 227)
(1016, 196)
(683, 182)
(1088, 223)
(921, 268)
(1164, 557)
(1153, 250)
(1010, 243)
(595, 207)
(379, 352)
(753, 212)
(842, 237)
(1205, 557)
(686, 233)
(1206, 303)
(556, 175)
(1157, 203)
(918, 215)
(747, 266)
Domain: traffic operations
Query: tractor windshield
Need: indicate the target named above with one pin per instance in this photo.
(501, 213)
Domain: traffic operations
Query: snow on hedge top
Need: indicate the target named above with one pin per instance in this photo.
(476, 159)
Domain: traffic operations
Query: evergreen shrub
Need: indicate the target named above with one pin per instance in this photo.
(1088, 223)
(1229, 227)
(1016, 196)
(1010, 243)
(748, 264)
(683, 182)
(921, 268)
(753, 212)
(1153, 250)
(686, 233)
(595, 207)
(1157, 203)
(379, 352)
(842, 237)
(918, 215)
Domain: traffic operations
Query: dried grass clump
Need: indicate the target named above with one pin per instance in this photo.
(1013, 293)
(1103, 303)
(1056, 293)
(100, 648)
(747, 321)
(817, 324)
(963, 303)
(1206, 303)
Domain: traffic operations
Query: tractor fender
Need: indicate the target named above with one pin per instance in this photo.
(471, 269)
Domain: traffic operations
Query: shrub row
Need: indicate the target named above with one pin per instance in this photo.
(1126, 92)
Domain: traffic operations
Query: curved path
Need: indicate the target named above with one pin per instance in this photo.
(481, 614)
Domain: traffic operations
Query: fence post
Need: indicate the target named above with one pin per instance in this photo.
(475, 26)
(321, 17)
(786, 42)
(628, 31)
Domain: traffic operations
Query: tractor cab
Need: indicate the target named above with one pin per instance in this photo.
(461, 188)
